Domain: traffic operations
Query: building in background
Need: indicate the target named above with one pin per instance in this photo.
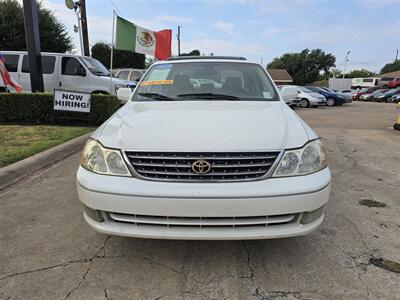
(280, 76)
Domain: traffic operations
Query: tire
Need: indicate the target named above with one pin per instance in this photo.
(304, 103)
(330, 102)
(396, 126)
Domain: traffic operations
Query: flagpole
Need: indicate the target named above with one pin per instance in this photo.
(112, 52)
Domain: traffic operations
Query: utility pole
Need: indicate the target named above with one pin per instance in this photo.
(33, 45)
(84, 28)
(345, 65)
(179, 40)
(397, 54)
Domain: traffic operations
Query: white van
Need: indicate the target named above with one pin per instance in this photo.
(358, 83)
(64, 72)
(129, 74)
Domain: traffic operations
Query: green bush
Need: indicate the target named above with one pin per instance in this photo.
(38, 109)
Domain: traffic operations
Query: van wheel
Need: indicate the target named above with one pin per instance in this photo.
(304, 103)
(330, 102)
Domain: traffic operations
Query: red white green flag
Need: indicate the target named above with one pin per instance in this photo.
(131, 37)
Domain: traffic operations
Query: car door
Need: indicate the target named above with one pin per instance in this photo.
(73, 75)
(48, 69)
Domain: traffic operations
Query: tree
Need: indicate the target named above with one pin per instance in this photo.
(360, 73)
(306, 66)
(121, 58)
(192, 53)
(53, 35)
(394, 66)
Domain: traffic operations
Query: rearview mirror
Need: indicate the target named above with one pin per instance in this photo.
(124, 94)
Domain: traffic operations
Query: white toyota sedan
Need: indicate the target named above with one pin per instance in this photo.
(222, 159)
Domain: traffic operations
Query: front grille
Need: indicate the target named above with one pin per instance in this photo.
(225, 166)
(203, 222)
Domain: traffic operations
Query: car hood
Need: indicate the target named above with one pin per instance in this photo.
(204, 126)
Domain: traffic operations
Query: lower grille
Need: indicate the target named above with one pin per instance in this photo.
(203, 222)
(224, 166)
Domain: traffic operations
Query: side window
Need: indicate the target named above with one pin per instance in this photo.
(135, 75)
(11, 62)
(72, 67)
(48, 64)
(123, 75)
(284, 91)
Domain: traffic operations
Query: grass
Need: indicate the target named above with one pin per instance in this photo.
(19, 141)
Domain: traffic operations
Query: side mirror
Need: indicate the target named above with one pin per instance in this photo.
(124, 94)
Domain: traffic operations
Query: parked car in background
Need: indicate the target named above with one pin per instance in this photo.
(394, 83)
(371, 96)
(289, 94)
(348, 98)
(347, 94)
(387, 96)
(358, 83)
(129, 74)
(396, 98)
(332, 98)
(383, 82)
(64, 72)
(363, 91)
(310, 98)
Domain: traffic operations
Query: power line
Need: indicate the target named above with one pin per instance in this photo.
(115, 6)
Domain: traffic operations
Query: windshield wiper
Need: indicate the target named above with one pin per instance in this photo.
(209, 96)
(156, 96)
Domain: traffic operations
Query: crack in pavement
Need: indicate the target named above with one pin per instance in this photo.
(64, 264)
(255, 291)
(361, 237)
(106, 296)
(89, 267)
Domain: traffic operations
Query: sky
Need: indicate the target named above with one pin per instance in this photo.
(257, 30)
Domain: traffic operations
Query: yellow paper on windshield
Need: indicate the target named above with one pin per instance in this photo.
(156, 82)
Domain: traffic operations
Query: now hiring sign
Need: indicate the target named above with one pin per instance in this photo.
(71, 101)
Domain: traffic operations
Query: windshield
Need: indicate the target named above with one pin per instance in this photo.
(96, 67)
(206, 80)
(304, 90)
(315, 89)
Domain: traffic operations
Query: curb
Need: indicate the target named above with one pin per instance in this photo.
(10, 174)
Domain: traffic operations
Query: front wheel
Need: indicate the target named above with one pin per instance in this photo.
(330, 102)
(304, 103)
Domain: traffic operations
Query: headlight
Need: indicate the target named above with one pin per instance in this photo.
(101, 160)
(309, 159)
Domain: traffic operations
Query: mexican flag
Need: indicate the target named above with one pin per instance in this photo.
(131, 37)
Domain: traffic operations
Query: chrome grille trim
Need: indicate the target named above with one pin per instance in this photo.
(202, 222)
(226, 166)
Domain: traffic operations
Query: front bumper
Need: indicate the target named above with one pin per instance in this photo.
(169, 210)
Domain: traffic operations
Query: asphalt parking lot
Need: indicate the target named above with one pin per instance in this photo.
(48, 252)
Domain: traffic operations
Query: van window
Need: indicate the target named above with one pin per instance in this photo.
(11, 62)
(48, 64)
(123, 75)
(135, 75)
(70, 65)
(368, 80)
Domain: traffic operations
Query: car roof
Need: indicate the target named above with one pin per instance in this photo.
(198, 57)
(185, 59)
(43, 53)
